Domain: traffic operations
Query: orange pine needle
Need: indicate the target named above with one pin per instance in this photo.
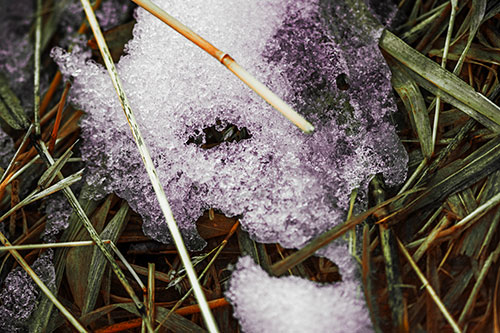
(120, 327)
(232, 231)
(58, 77)
(185, 311)
(192, 309)
(57, 122)
(50, 92)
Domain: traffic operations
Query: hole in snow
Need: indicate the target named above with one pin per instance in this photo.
(342, 81)
(212, 136)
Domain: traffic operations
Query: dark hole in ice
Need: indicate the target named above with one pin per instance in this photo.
(211, 137)
(341, 81)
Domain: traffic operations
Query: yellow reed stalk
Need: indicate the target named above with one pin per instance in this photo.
(50, 245)
(263, 91)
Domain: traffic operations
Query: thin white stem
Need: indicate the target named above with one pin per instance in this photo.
(36, 77)
(495, 200)
(151, 170)
(13, 159)
(429, 289)
(50, 245)
(127, 265)
(443, 64)
(414, 176)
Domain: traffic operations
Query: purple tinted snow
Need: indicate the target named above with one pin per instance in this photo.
(58, 211)
(19, 296)
(288, 186)
(15, 47)
(291, 304)
(6, 149)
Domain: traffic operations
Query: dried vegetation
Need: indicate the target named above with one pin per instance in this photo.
(428, 252)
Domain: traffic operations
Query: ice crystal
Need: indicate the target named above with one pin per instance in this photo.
(6, 148)
(19, 296)
(15, 47)
(320, 56)
(58, 211)
(291, 304)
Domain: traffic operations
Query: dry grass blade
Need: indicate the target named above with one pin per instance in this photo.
(466, 222)
(492, 258)
(37, 195)
(60, 185)
(175, 323)
(16, 154)
(444, 153)
(482, 162)
(57, 122)
(253, 249)
(151, 293)
(48, 176)
(496, 321)
(51, 245)
(478, 10)
(413, 34)
(325, 238)
(98, 262)
(389, 251)
(36, 76)
(42, 149)
(264, 92)
(480, 107)
(205, 270)
(54, 84)
(144, 271)
(10, 107)
(366, 279)
(429, 288)
(77, 259)
(42, 285)
(443, 64)
(148, 163)
(414, 102)
(410, 181)
(419, 253)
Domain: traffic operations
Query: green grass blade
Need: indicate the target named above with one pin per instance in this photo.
(37, 60)
(414, 102)
(440, 80)
(477, 13)
(10, 107)
(98, 263)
